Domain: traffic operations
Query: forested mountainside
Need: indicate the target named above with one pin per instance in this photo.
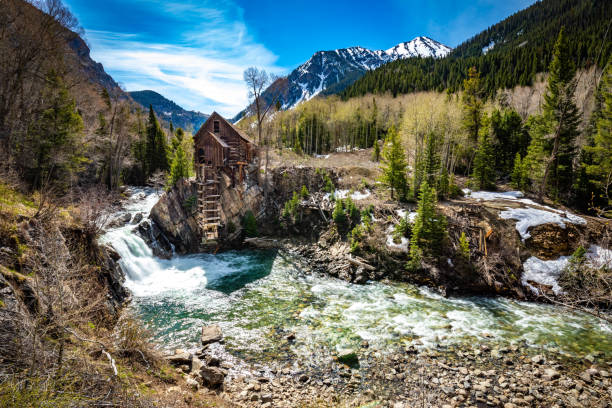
(507, 54)
(169, 111)
(63, 120)
(328, 72)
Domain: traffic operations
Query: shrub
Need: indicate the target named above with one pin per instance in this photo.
(329, 184)
(402, 229)
(249, 223)
(356, 237)
(304, 193)
(339, 216)
(291, 207)
(231, 227)
(464, 246)
(190, 202)
(352, 211)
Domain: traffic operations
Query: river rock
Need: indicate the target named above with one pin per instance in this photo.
(179, 358)
(120, 221)
(196, 365)
(212, 377)
(213, 361)
(137, 218)
(550, 374)
(192, 382)
(211, 334)
(348, 357)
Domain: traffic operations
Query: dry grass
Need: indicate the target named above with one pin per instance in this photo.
(60, 342)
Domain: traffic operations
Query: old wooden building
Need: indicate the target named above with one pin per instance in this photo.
(219, 147)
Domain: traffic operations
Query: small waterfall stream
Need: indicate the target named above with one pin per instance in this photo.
(259, 297)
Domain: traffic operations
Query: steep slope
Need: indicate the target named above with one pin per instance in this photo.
(89, 69)
(329, 72)
(506, 54)
(169, 111)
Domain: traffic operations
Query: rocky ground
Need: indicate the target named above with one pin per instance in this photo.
(458, 376)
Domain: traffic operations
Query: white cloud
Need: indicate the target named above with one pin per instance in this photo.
(201, 71)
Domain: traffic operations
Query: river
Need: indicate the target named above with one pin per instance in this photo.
(259, 297)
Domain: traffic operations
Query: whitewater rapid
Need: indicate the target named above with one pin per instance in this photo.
(258, 297)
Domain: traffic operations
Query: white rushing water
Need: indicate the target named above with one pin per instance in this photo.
(259, 297)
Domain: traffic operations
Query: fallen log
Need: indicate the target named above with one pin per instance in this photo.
(360, 262)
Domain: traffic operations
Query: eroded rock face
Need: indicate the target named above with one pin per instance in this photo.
(174, 215)
(176, 211)
(549, 241)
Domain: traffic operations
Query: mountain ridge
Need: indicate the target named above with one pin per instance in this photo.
(331, 71)
(169, 110)
(510, 52)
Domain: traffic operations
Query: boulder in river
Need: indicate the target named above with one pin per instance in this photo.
(212, 377)
(348, 357)
(179, 358)
(211, 334)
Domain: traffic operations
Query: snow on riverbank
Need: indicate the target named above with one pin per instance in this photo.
(543, 272)
(548, 272)
(526, 217)
(531, 217)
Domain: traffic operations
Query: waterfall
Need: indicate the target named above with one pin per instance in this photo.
(147, 275)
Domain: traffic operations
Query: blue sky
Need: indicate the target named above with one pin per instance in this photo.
(194, 51)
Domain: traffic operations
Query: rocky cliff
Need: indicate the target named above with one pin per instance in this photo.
(176, 211)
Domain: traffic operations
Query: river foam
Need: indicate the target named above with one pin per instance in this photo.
(259, 297)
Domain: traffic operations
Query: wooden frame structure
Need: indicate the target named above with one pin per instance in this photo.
(219, 147)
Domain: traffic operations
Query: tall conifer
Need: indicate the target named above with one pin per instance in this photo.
(394, 164)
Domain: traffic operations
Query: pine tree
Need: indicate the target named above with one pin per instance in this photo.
(52, 146)
(394, 164)
(558, 129)
(483, 175)
(472, 104)
(156, 148)
(443, 184)
(429, 228)
(599, 169)
(519, 177)
(431, 165)
(464, 246)
(180, 166)
(376, 152)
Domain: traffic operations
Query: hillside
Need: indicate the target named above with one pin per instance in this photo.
(169, 111)
(328, 72)
(507, 54)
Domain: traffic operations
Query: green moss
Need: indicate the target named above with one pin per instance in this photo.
(349, 358)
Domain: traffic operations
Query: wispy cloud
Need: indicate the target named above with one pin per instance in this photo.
(200, 68)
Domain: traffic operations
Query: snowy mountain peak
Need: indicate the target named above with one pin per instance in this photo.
(419, 47)
(332, 71)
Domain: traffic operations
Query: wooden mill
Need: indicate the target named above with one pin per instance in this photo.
(219, 147)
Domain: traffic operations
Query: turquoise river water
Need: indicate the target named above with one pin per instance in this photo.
(259, 297)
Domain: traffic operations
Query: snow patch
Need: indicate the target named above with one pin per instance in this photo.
(342, 194)
(403, 245)
(321, 156)
(531, 217)
(548, 272)
(543, 272)
(411, 216)
(493, 195)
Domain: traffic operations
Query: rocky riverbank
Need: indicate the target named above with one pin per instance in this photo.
(479, 375)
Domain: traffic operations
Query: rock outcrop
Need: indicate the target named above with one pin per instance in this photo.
(176, 212)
